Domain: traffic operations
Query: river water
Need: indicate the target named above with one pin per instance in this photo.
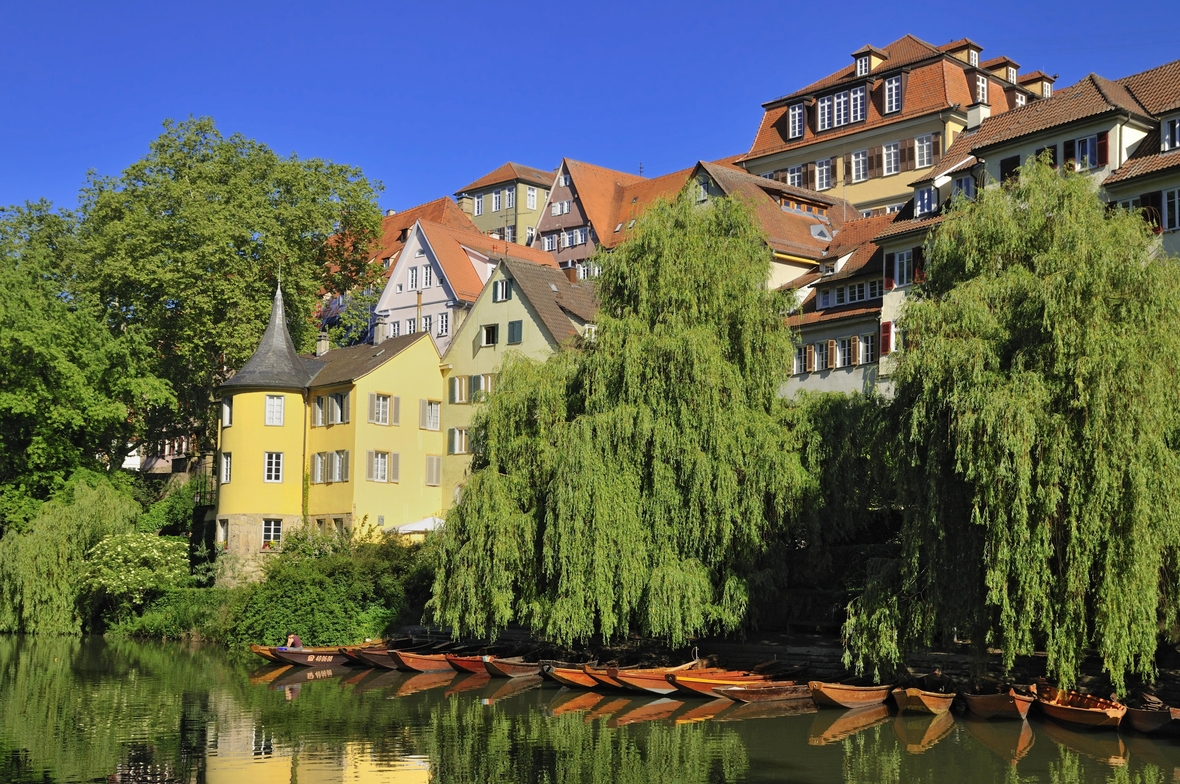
(95, 710)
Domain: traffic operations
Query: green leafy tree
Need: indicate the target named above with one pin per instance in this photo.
(125, 570)
(73, 395)
(633, 484)
(187, 243)
(1035, 402)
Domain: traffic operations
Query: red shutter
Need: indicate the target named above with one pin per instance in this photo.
(919, 265)
(889, 271)
(886, 337)
(936, 146)
(1069, 151)
(1102, 148)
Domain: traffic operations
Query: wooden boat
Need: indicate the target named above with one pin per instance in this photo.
(653, 679)
(919, 701)
(770, 691)
(575, 678)
(1105, 747)
(266, 652)
(1077, 709)
(1010, 705)
(1010, 741)
(1152, 720)
(462, 662)
(469, 681)
(705, 681)
(830, 727)
(744, 711)
(425, 681)
(513, 687)
(603, 677)
(573, 702)
(312, 657)
(515, 667)
(653, 710)
(703, 712)
(421, 662)
(919, 733)
(838, 695)
(376, 658)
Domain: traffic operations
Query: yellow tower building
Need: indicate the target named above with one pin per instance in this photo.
(330, 440)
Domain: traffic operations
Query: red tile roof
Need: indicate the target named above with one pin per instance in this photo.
(906, 225)
(509, 172)
(957, 158)
(449, 246)
(599, 190)
(442, 211)
(632, 201)
(808, 313)
(1147, 159)
(992, 63)
(1157, 89)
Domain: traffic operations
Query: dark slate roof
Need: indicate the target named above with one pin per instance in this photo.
(344, 365)
(274, 365)
(553, 297)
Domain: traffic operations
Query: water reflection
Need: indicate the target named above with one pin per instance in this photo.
(95, 710)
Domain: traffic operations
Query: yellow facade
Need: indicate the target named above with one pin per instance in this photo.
(247, 440)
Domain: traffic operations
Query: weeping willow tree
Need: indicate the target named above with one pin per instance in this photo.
(1036, 399)
(631, 485)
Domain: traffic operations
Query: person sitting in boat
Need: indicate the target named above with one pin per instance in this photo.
(293, 642)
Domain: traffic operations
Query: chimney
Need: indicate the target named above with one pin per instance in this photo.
(976, 114)
(321, 344)
(380, 331)
(389, 213)
(571, 274)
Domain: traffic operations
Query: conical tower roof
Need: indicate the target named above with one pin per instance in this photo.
(274, 365)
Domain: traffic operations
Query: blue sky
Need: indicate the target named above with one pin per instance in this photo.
(428, 96)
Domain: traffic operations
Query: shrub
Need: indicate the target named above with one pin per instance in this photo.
(124, 570)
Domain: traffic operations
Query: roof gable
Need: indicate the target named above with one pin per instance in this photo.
(512, 171)
(1157, 89)
(274, 364)
(394, 228)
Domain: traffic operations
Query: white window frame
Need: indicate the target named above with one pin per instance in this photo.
(1171, 134)
(891, 158)
(495, 201)
(843, 352)
(380, 466)
(1011, 74)
(427, 276)
(903, 268)
(981, 88)
(1171, 216)
(1021, 100)
(479, 205)
(825, 299)
(923, 151)
(501, 290)
(272, 533)
(893, 94)
(427, 323)
(823, 174)
(825, 113)
(925, 201)
(795, 176)
(821, 355)
(339, 465)
(1046, 89)
(272, 467)
(411, 326)
(382, 406)
(530, 198)
(876, 288)
(868, 349)
(227, 467)
(457, 439)
(432, 415)
(412, 278)
(275, 405)
(800, 360)
(549, 242)
(510, 197)
(795, 121)
(860, 165)
(530, 234)
(856, 102)
(840, 112)
(973, 58)
(489, 335)
(227, 411)
(862, 65)
(444, 324)
(1084, 162)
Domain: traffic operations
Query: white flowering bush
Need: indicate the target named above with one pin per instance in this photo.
(124, 570)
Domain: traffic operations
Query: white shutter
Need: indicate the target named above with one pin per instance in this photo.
(395, 411)
(369, 459)
(372, 406)
(345, 396)
(394, 467)
(433, 470)
(331, 466)
(344, 463)
(423, 416)
(333, 410)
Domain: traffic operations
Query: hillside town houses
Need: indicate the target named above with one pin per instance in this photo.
(846, 176)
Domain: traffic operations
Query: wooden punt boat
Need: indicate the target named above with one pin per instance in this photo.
(703, 712)
(918, 701)
(604, 678)
(514, 667)
(1010, 705)
(653, 710)
(770, 691)
(575, 678)
(573, 702)
(266, 652)
(704, 682)
(312, 657)
(513, 687)
(838, 695)
(1079, 710)
(920, 733)
(1151, 720)
(421, 662)
(468, 681)
(1009, 741)
(830, 727)
(376, 658)
(653, 679)
(462, 662)
(425, 681)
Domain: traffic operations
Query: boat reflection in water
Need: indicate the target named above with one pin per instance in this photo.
(919, 733)
(1011, 741)
(831, 726)
(1104, 747)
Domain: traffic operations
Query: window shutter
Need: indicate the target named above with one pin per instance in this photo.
(344, 466)
(475, 384)
(344, 400)
(919, 265)
(855, 350)
(905, 82)
(936, 146)
(395, 412)
(809, 363)
(369, 459)
(907, 154)
(875, 162)
(395, 473)
(809, 176)
(372, 406)
(847, 173)
(1069, 150)
(889, 271)
(333, 410)
(1103, 155)
(331, 466)
(422, 417)
(833, 356)
(451, 441)
(832, 165)
(454, 392)
(886, 337)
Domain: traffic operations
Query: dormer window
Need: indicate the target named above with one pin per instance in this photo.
(795, 119)
(1172, 134)
(925, 201)
(981, 89)
(1046, 89)
(1011, 74)
(1021, 100)
(973, 58)
(893, 94)
(862, 65)
(825, 113)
